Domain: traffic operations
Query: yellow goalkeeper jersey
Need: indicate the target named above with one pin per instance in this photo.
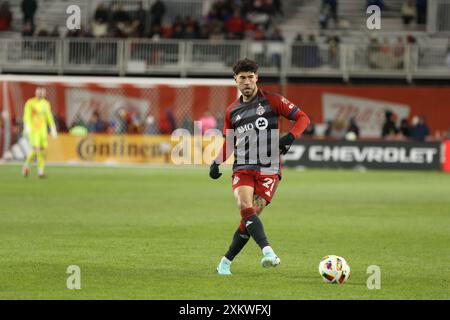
(37, 115)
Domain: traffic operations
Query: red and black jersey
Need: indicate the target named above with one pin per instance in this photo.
(252, 128)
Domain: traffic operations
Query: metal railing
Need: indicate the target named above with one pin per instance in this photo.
(438, 16)
(213, 57)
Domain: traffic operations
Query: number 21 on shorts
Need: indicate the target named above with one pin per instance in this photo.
(268, 184)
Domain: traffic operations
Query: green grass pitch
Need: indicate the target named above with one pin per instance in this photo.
(158, 233)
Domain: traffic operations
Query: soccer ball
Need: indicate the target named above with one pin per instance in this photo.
(334, 269)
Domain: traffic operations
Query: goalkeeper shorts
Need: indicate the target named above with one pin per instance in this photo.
(38, 140)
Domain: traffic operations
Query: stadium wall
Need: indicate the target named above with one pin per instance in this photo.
(74, 97)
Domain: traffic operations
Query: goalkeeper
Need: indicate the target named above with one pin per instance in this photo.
(37, 118)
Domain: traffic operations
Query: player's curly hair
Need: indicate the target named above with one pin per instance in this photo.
(245, 65)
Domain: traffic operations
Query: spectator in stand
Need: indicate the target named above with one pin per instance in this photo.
(260, 33)
(398, 52)
(276, 35)
(121, 20)
(207, 121)
(167, 123)
(60, 123)
(155, 32)
(217, 34)
(335, 129)
(421, 7)
(190, 32)
(352, 132)
(102, 13)
(178, 32)
(278, 7)
(29, 8)
(157, 11)
(187, 123)
(191, 27)
(100, 24)
(134, 122)
(408, 11)
(55, 32)
(379, 3)
(328, 129)
(27, 29)
(389, 129)
(333, 50)
(236, 24)
(259, 14)
(5, 16)
(330, 6)
(324, 15)
(204, 32)
(299, 38)
(150, 127)
(121, 122)
(140, 19)
(312, 56)
(223, 9)
(275, 48)
(96, 124)
(419, 129)
(410, 39)
(448, 57)
(405, 129)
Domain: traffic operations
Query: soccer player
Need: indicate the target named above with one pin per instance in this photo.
(254, 115)
(37, 118)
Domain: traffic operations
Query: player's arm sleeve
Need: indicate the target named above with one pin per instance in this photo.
(290, 111)
(227, 148)
(51, 120)
(27, 117)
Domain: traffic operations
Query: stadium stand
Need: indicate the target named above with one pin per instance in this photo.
(196, 38)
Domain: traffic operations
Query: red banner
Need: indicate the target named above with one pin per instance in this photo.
(189, 102)
(446, 164)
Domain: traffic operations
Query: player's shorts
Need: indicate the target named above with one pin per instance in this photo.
(38, 140)
(265, 184)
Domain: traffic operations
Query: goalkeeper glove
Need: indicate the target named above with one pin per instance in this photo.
(214, 171)
(53, 132)
(25, 130)
(285, 143)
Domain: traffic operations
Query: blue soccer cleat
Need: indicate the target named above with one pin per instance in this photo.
(224, 268)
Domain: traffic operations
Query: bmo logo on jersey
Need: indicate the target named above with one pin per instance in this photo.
(246, 127)
(261, 123)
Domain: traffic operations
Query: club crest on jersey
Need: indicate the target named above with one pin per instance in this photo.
(260, 110)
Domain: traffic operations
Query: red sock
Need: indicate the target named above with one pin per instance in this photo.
(245, 213)
(248, 212)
